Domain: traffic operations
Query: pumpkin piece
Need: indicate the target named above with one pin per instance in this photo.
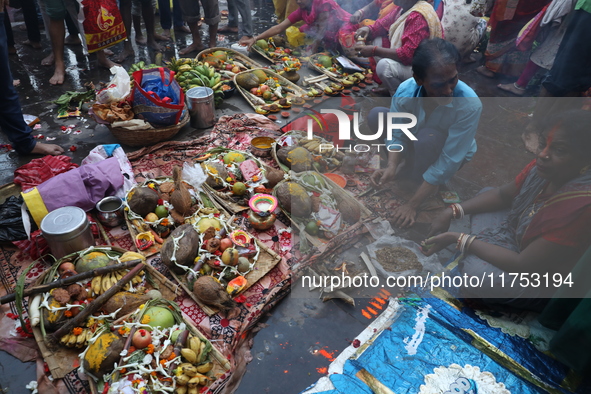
(294, 199)
(103, 353)
(236, 285)
(91, 261)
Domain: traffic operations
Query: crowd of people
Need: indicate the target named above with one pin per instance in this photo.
(415, 48)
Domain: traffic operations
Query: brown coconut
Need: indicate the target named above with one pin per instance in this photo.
(143, 200)
(180, 197)
(294, 199)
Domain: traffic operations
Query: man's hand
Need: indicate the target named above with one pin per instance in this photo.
(379, 177)
(356, 17)
(404, 216)
(362, 34)
(363, 50)
(247, 42)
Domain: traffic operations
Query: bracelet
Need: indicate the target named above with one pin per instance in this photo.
(463, 245)
(469, 243)
(459, 241)
(362, 13)
(457, 211)
(373, 51)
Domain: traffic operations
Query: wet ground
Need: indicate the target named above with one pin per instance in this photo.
(302, 334)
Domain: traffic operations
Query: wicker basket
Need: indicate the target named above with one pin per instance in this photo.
(252, 99)
(137, 138)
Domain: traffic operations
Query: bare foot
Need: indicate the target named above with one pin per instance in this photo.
(33, 44)
(482, 70)
(125, 53)
(104, 61)
(182, 29)
(194, 47)
(49, 60)
(166, 33)
(108, 52)
(152, 44)
(531, 141)
(228, 29)
(512, 88)
(16, 82)
(47, 149)
(72, 40)
(141, 39)
(160, 37)
(58, 75)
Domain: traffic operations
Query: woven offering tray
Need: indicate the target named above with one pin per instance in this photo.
(139, 225)
(221, 187)
(64, 357)
(289, 90)
(336, 74)
(322, 229)
(274, 53)
(176, 353)
(325, 157)
(246, 63)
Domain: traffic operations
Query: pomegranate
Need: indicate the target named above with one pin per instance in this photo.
(225, 243)
(141, 339)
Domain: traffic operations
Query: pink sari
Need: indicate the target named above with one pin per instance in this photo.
(339, 19)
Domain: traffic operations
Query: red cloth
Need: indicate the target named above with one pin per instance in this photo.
(39, 170)
(416, 29)
(565, 217)
(338, 18)
(381, 26)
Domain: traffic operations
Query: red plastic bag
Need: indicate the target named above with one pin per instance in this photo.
(148, 105)
(103, 25)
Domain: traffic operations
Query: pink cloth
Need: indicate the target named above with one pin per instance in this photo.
(381, 26)
(338, 17)
(416, 30)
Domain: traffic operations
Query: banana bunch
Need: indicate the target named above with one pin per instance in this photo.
(195, 74)
(312, 145)
(192, 374)
(128, 256)
(102, 283)
(140, 66)
(174, 64)
(71, 340)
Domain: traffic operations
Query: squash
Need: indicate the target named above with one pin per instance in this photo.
(142, 201)
(230, 256)
(294, 199)
(236, 285)
(261, 75)
(158, 316)
(247, 80)
(103, 353)
(204, 223)
(91, 261)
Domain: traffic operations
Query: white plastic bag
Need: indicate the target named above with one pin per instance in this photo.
(118, 89)
(194, 175)
(429, 263)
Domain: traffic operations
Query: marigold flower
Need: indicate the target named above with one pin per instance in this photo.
(123, 370)
(68, 313)
(150, 349)
(145, 319)
(77, 331)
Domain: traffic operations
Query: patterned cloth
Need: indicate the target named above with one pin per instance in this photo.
(461, 28)
(39, 170)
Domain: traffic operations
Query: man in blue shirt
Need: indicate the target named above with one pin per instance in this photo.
(447, 112)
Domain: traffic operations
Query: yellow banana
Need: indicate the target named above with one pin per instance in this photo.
(189, 355)
(194, 345)
(204, 368)
(65, 339)
(95, 284)
(88, 337)
(127, 256)
(105, 283)
(80, 339)
(71, 341)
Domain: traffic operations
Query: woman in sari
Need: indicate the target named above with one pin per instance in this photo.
(395, 39)
(323, 20)
(536, 227)
(507, 19)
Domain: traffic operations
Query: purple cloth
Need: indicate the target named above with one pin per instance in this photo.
(82, 187)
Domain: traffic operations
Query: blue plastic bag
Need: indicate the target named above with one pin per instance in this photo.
(157, 97)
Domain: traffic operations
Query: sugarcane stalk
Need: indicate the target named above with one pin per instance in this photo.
(53, 339)
(373, 383)
(72, 279)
